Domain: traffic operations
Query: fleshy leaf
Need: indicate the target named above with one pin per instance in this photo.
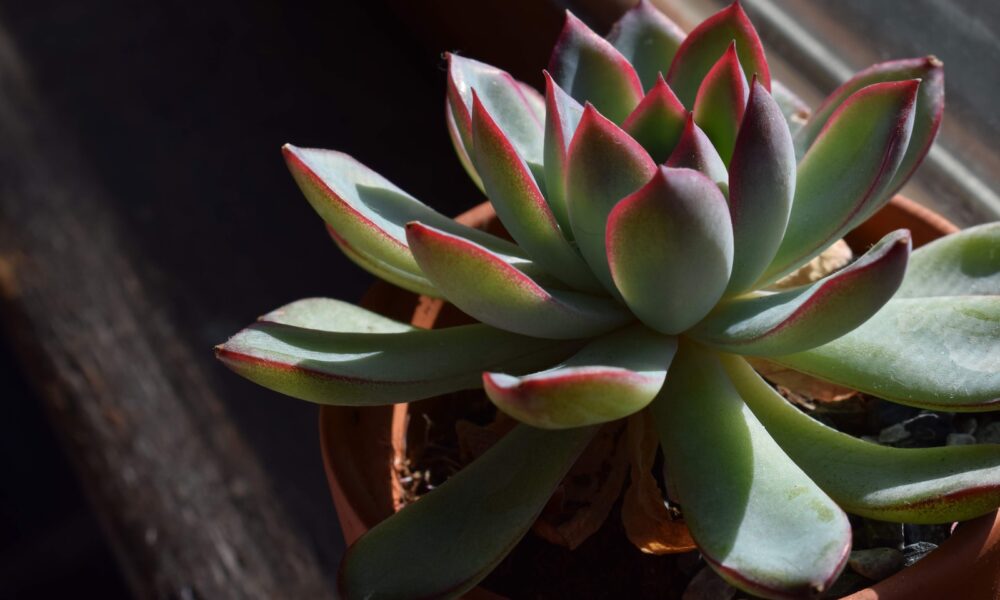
(351, 368)
(841, 179)
(707, 42)
(761, 186)
(456, 141)
(802, 318)
(721, 102)
(328, 314)
(695, 151)
(605, 165)
(406, 279)
(658, 121)
(648, 40)
(961, 264)
(520, 205)
(484, 286)
(442, 545)
(509, 101)
(942, 352)
(367, 213)
(610, 378)
(912, 485)
(562, 115)
(592, 70)
(760, 522)
(928, 112)
(670, 247)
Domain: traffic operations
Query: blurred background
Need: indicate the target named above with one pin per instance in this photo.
(146, 214)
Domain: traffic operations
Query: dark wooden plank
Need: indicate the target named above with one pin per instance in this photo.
(187, 507)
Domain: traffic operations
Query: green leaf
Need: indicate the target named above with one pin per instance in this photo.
(840, 180)
(670, 247)
(489, 289)
(456, 141)
(784, 322)
(592, 70)
(760, 522)
(938, 353)
(605, 165)
(648, 40)
(520, 205)
(707, 42)
(963, 263)
(911, 485)
(561, 118)
(442, 545)
(515, 106)
(721, 102)
(658, 121)
(405, 279)
(611, 378)
(328, 314)
(368, 214)
(761, 186)
(793, 108)
(695, 151)
(350, 368)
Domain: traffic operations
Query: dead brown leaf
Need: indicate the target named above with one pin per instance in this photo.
(805, 389)
(832, 259)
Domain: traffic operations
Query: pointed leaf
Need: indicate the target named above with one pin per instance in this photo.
(658, 121)
(840, 180)
(942, 354)
(562, 115)
(605, 165)
(962, 264)
(695, 151)
(359, 369)
(721, 102)
(928, 111)
(610, 378)
(707, 42)
(484, 286)
(328, 314)
(761, 523)
(442, 545)
(367, 213)
(406, 279)
(806, 317)
(761, 186)
(509, 102)
(456, 141)
(648, 40)
(520, 205)
(670, 247)
(592, 70)
(912, 485)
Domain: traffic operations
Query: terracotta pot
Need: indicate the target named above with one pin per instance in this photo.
(359, 445)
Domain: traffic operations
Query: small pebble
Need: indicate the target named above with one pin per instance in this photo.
(935, 534)
(878, 534)
(893, 434)
(890, 413)
(960, 439)
(876, 563)
(927, 429)
(707, 585)
(914, 552)
(989, 434)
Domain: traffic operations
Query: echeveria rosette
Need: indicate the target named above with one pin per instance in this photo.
(653, 193)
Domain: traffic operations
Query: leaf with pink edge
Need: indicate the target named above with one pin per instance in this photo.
(491, 290)
(520, 205)
(695, 151)
(805, 317)
(707, 42)
(592, 70)
(562, 115)
(610, 378)
(670, 247)
(442, 545)
(757, 518)
(648, 40)
(658, 121)
(761, 187)
(912, 485)
(721, 102)
(605, 165)
(840, 180)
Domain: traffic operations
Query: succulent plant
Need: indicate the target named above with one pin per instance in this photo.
(654, 194)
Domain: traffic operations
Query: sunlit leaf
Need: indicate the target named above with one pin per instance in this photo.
(648, 40)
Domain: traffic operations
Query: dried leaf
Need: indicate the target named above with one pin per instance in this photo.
(832, 259)
(584, 499)
(800, 384)
(649, 524)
